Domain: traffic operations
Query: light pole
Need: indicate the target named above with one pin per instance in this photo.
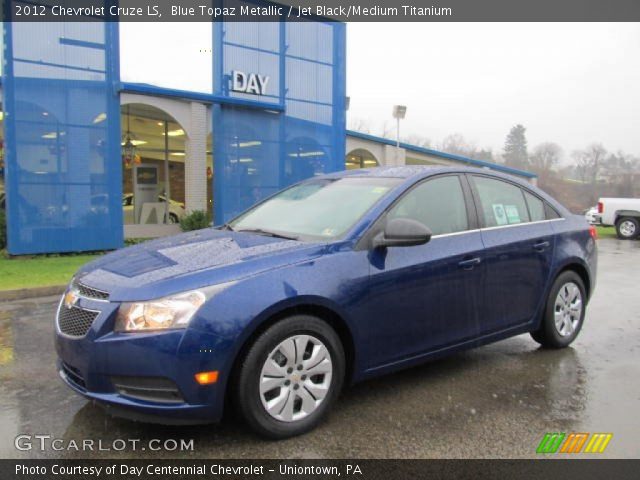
(399, 111)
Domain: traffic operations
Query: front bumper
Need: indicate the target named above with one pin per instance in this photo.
(94, 364)
(150, 412)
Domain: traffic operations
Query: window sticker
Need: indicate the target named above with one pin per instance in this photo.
(379, 189)
(499, 214)
(513, 216)
(328, 232)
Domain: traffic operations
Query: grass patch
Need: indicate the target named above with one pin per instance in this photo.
(606, 232)
(40, 271)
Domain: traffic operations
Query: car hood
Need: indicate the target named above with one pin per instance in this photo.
(190, 260)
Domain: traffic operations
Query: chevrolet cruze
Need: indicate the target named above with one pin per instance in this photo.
(332, 281)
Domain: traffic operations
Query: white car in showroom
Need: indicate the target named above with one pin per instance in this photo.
(176, 209)
(623, 213)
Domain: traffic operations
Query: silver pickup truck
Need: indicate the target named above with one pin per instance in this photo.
(623, 213)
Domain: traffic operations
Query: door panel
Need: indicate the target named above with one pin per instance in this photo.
(518, 254)
(425, 297)
(517, 262)
(422, 299)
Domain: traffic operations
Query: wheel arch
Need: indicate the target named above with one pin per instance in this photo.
(571, 265)
(581, 270)
(304, 306)
(625, 213)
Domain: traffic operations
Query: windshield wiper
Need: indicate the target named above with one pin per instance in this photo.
(268, 233)
(226, 226)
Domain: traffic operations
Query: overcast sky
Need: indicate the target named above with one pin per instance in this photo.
(572, 84)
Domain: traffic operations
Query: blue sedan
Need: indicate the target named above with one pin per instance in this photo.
(332, 281)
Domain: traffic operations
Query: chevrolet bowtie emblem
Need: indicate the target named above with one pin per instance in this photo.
(70, 299)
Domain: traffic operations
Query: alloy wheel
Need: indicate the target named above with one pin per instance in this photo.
(627, 228)
(295, 378)
(567, 309)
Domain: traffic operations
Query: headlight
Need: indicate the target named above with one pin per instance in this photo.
(165, 313)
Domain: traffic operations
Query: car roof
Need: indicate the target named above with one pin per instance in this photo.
(390, 172)
(413, 173)
(418, 171)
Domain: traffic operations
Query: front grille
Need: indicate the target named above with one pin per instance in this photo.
(75, 321)
(150, 389)
(89, 292)
(73, 375)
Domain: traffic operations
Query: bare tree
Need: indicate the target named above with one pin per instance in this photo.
(388, 130)
(417, 140)
(456, 144)
(360, 125)
(588, 164)
(589, 161)
(622, 173)
(545, 157)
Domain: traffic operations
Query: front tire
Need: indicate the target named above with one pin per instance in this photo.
(290, 377)
(627, 228)
(564, 312)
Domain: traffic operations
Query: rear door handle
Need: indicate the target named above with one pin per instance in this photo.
(469, 264)
(541, 246)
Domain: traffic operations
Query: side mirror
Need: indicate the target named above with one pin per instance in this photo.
(402, 232)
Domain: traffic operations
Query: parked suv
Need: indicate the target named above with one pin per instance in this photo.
(623, 213)
(332, 281)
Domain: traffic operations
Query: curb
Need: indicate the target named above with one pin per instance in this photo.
(22, 293)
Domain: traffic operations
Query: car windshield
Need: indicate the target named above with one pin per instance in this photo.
(321, 209)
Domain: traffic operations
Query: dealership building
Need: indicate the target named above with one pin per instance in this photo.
(103, 122)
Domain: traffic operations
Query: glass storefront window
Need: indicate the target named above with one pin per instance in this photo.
(360, 158)
(210, 173)
(152, 152)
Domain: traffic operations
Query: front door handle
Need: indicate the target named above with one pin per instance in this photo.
(541, 246)
(469, 264)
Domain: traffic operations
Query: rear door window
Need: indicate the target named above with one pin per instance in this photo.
(501, 203)
(536, 207)
(550, 212)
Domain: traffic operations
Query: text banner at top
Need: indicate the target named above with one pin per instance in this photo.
(302, 10)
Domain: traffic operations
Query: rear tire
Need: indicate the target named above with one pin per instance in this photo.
(564, 312)
(290, 377)
(627, 228)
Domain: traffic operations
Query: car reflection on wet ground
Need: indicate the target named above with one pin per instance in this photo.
(495, 401)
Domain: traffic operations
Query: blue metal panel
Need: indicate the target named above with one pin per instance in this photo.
(62, 127)
(258, 153)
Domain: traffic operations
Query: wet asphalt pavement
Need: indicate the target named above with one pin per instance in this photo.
(495, 401)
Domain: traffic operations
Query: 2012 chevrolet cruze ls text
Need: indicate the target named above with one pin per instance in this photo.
(334, 280)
